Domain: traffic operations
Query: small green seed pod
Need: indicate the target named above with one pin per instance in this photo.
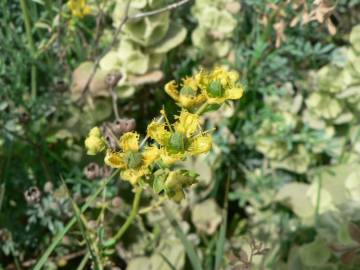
(133, 160)
(215, 89)
(177, 142)
(187, 91)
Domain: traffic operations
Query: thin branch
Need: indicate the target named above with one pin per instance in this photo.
(114, 97)
(158, 11)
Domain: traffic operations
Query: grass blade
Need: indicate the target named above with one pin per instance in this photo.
(81, 220)
(172, 267)
(189, 248)
(219, 253)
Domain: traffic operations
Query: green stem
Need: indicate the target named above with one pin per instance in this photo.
(84, 261)
(202, 109)
(27, 22)
(129, 220)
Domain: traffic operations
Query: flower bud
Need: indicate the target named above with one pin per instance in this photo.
(177, 142)
(113, 78)
(180, 179)
(94, 143)
(32, 195)
(178, 195)
(92, 171)
(123, 125)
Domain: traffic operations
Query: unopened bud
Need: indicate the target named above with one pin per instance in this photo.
(116, 202)
(123, 125)
(113, 78)
(92, 171)
(32, 195)
(61, 86)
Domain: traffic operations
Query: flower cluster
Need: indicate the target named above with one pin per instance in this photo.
(213, 87)
(79, 8)
(183, 138)
(150, 163)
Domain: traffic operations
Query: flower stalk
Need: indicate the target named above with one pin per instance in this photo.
(129, 220)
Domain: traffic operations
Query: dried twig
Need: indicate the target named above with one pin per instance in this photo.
(126, 18)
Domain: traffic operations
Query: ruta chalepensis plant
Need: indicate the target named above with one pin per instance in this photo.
(149, 163)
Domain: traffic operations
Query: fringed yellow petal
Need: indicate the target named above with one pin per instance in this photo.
(222, 85)
(129, 141)
(187, 123)
(172, 91)
(169, 159)
(115, 160)
(95, 131)
(219, 74)
(234, 93)
(133, 176)
(157, 132)
(202, 79)
(216, 100)
(200, 145)
(190, 82)
(150, 154)
(189, 102)
(233, 76)
(227, 78)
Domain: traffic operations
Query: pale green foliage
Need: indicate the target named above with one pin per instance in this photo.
(206, 216)
(216, 23)
(143, 45)
(315, 253)
(333, 100)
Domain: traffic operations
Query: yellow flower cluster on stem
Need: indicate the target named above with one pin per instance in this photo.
(172, 141)
(213, 87)
(133, 161)
(183, 138)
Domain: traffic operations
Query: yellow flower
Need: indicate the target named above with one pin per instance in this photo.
(183, 138)
(170, 158)
(222, 85)
(158, 132)
(133, 176)
(129, 141)
(187, 123)
(134, 163)
(201, 144)
(150, 154)
(115, 160)
(189, 96)
(79, 8)
(94, 142)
